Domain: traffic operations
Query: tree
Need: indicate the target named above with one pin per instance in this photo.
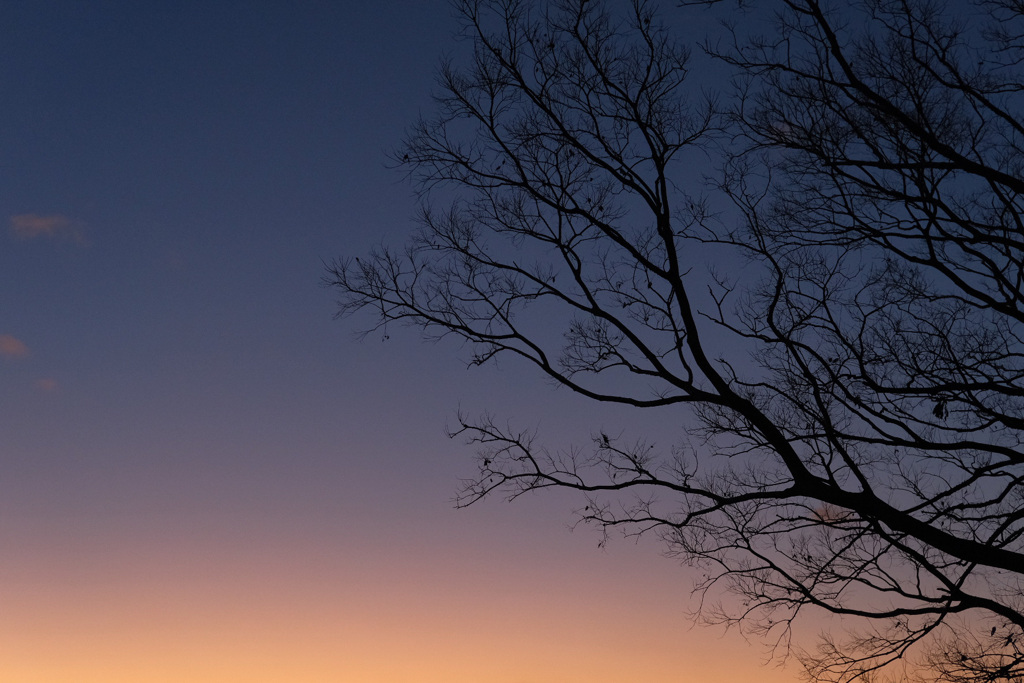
(855, 390)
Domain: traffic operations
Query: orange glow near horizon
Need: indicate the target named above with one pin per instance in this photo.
(203, 477)
(200, 609)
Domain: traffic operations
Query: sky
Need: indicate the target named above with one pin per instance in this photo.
(205, 477)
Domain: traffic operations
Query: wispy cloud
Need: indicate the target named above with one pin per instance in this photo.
(46, 384)
(27, 226)
(12, 347)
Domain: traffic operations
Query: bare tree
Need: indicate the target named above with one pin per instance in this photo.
(855, 390)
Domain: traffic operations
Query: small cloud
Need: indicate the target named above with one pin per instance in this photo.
(12, 347)
(46, 385)
(27, 226)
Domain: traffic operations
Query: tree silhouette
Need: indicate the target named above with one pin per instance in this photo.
(855, 389)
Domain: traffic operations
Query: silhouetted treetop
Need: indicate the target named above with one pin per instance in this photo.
(811, 249)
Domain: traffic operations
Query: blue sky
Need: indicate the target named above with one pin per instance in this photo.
(180, 412)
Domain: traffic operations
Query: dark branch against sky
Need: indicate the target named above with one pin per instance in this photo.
(202, 476)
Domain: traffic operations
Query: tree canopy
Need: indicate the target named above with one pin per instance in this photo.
(818, 259)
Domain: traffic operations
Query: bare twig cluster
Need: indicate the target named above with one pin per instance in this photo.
(857, 390)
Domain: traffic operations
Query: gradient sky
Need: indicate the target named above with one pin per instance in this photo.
(205, 478)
